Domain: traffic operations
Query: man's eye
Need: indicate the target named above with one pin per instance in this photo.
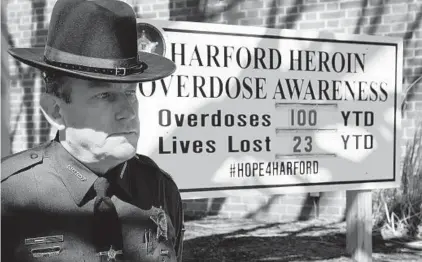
(104, 95)
(131, 93)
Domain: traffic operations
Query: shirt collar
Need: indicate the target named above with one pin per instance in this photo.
(123, 178)
(78, 178)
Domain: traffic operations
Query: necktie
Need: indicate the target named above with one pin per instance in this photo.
(107, 228)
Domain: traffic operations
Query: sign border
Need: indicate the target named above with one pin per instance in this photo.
(395, 45)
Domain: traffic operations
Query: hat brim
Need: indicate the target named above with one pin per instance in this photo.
(158, 66)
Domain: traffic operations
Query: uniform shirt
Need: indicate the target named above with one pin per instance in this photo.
(47, 208)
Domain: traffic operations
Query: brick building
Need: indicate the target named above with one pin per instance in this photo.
(27, 24)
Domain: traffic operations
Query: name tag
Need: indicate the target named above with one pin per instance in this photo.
(44, 240)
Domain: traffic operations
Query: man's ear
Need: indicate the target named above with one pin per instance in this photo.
(50, 106)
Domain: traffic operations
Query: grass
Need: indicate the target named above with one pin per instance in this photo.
(399, 210)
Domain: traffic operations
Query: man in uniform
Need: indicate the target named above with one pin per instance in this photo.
(87, 195)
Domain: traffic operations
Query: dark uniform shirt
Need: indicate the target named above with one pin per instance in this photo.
(47, 208)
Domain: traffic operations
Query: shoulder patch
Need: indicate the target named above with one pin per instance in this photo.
(18, 162)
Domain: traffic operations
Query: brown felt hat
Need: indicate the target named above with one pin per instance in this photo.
(95, 39)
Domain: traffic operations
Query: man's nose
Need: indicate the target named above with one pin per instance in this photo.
(126, 108)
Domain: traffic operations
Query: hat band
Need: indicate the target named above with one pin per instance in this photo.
(56, 55)
(117, 67)
(118, 71)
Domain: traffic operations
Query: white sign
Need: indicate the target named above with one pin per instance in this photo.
(254, 110)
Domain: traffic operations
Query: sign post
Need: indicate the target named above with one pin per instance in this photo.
(254, 110)
(359, 224)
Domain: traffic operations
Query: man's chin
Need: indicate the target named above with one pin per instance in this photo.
(124, 152)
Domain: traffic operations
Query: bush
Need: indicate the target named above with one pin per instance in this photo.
(399, 209)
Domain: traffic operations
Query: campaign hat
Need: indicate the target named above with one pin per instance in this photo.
(95, 39)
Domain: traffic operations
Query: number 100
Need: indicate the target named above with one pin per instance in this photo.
(302, 117)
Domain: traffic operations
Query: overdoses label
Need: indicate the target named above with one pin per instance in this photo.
(273, 111)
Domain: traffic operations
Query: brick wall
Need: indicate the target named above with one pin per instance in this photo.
(27, 23)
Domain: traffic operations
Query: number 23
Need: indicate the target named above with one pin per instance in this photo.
(298, 140)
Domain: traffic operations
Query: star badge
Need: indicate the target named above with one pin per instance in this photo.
(151, 39)
(145, 44)
(111, 254)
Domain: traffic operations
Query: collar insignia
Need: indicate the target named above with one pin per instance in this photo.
(76, 173)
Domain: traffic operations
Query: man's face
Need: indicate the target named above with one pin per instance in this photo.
(102, 118)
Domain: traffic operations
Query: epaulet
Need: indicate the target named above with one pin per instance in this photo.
(13, 164)
(148, 161)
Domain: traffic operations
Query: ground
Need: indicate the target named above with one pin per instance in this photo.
(223, 239)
